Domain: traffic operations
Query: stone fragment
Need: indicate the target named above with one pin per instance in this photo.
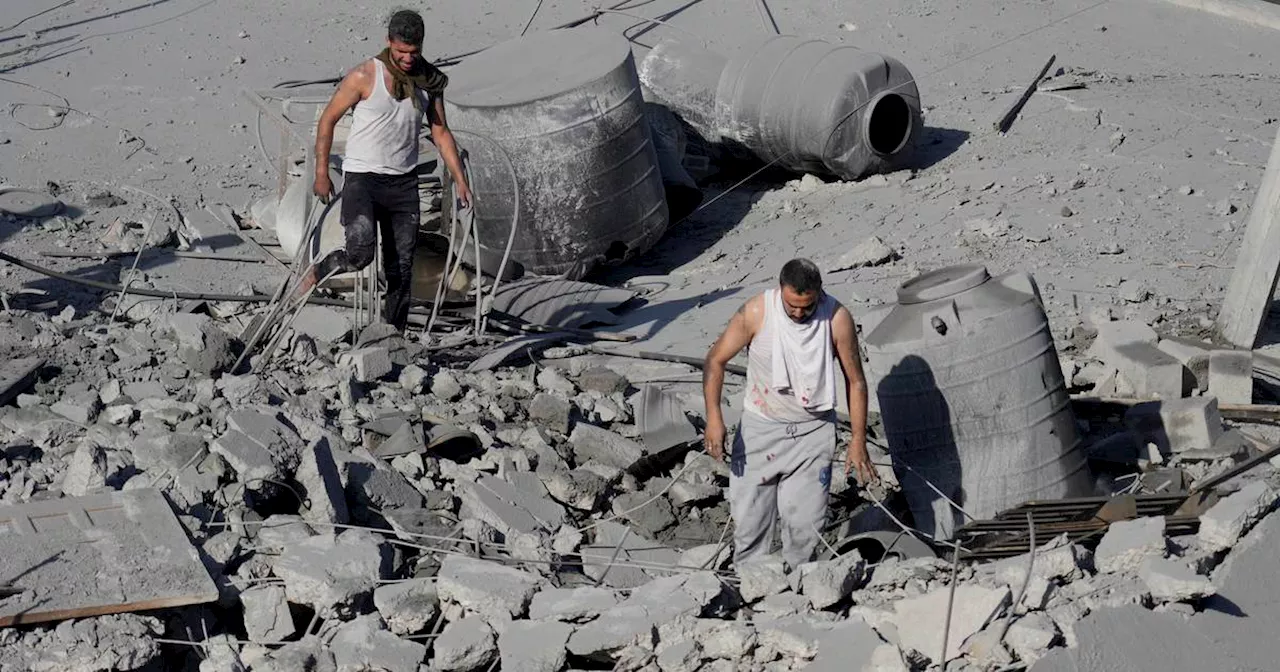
(333, 573)
(828, 582)
(368, 364)
(603, 380)
(407, 606)
(551, 412)
(465, 645)
(202, 346)
(724, 639)
(487, 588)
(1131, 348)
(413, 379)
(534, 646)
(920, 620)
(445, 386)
(552, 380)
(683, 656)
(1231, 517)
(1128, 543)
(578, 488)
(365, 644)
(1231, 376)
(622, 626)
(571, 604)
(617, 551)
(249, 459)
(87, 471)
(1171, 581)
(649, 513)
(1178, 425)
(279, 531)
(321, 479)
(870, 252)
(1030, 636)
(266, 614)
(81, 408)
(601, 445)
(886, 658)
(761, 577)
(323, 324)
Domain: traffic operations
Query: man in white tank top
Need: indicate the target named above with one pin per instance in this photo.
(780, 464)
(390, 95)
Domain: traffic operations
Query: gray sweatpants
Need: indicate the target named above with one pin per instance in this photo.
(780, 470)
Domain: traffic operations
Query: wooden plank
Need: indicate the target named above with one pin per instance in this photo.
(16, 376)
(102, 554)
(1253, 282)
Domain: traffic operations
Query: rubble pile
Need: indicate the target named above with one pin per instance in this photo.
(339, 540)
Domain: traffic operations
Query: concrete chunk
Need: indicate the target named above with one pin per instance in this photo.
(266, 614)
(333, 573)
(761, 577)
(407, 606)
(551, 412)
(577, 488)
(365, 644)
(487, 588)
(81, 408)
(1177, 426)
(1194, 356)
(368, 364)
(1231, 376)
(591, 443)
(534, 646)
(603, 380)
(1171, 581)
(465, 645)
(827, 582)
(847, 645)
(323, 324)
(920, 620)
(320, 477)
(724, 639)
(635, 548)
(1128, 542)
(614, 630)
(1031, 636)
(87, 471)
(572, 604)
(1131, 348)
(644, 512)
(1223, 524)
(249, 459)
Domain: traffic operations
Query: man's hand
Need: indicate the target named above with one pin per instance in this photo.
(464, 195)
(323, 187)
(713, 438)
(857, 460)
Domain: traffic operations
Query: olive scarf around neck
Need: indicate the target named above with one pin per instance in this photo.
(422, 75)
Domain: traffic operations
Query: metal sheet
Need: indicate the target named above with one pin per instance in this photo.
(560, 303)
(662, 421)
(514, 346)
(102, 554)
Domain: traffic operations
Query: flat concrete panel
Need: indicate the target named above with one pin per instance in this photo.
(103, 554)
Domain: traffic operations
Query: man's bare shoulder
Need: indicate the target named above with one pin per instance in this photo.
(752, 312)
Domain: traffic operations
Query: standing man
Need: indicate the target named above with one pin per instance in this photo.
(390, 93)
(781, 460)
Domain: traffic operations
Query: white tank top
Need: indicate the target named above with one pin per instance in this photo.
(384, 131)
(762, 398)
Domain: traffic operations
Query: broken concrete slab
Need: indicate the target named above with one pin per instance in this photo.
(848, 645)
(321, 480)
(1231, 376)
(324, 324)
(280, 530)
(724, 639)
(103, 554)
(368, 364)
(487, 588)
(465, 645)
(81, 408)
(591, 443)
(1131, 348)
(1172, 581)
(920, 620)
(407, 606)
(551, 411)
(578, 488)
(761, 577)
(1231, 517)
(828, 582)
(333, 573)
(1105, 643)
(650, 513)
(266, 614)
(629, 563)
(534, 646)
(87, 470)
(1177, 425)
(613, 631)
(1031, 635)
(1128, 543)
(365, 644)
(572, 604)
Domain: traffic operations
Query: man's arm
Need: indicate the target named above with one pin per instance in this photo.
(350, 91)
(448, 146)
(845, 336)
(742, 328)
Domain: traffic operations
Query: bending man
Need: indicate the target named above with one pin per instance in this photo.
(390, 94)
(781, 459)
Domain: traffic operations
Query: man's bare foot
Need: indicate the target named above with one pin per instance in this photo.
(306, 282)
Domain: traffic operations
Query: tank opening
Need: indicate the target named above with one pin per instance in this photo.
(889, 124)
(617, 251)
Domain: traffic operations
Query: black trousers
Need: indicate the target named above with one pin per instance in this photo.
(371, 201)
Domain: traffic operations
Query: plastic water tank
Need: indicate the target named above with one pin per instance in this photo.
(566, 108)
(817, 107)
(972, 397)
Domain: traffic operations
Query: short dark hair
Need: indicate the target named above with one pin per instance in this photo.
(801, 275)
(406, 26)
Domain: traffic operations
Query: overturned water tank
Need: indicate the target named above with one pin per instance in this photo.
(817, 107)
(566, 109)
(972, 397)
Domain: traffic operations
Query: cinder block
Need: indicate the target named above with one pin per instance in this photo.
(1231, 376)
(1177, 426)
(369, 364)
(1130, 347)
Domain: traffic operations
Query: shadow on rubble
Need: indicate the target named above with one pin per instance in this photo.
(926, 460)
(1222, 605)
(934, 146)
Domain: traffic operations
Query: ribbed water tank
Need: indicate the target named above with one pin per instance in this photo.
(566, 108)
(972, 397)
(817, 107)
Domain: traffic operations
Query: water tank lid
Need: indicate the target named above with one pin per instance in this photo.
(539, 66)
(942, 283)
